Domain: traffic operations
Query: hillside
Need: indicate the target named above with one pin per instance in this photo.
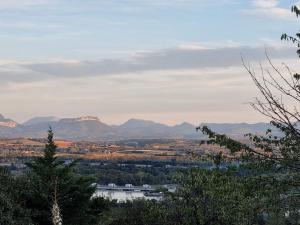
(92, 128)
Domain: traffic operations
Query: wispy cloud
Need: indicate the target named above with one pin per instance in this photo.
(15, 4)
(185, 57)
(269, 8)
(167, 59)
(196, 95)
(265, 3)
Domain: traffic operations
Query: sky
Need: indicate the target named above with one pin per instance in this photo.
(164, 60)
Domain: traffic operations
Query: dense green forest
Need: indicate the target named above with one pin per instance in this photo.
(136, 172)
(263, 189)
(119, 175)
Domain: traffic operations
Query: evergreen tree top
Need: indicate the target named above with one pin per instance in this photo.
(50, 148)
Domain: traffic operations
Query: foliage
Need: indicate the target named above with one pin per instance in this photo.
(274, 159)
(12, 211)
(74, 192)
(121, 175)
(294, 39)
(206, 197)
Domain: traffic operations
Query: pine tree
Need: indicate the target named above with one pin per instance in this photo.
(47, 175)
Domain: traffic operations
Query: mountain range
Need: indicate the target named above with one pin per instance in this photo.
(92, 128)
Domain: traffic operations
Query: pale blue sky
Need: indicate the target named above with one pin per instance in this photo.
(104, 57)
(93, 29)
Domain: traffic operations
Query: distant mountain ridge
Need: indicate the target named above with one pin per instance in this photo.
(37, 120)
(92, 128)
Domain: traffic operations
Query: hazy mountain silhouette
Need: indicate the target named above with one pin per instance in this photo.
(91, 128)
(38, 120)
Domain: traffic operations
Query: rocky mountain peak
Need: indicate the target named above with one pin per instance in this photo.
(88, 118)
(7, 122)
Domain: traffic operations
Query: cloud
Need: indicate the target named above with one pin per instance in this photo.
(13, 4)
(157, 93)
(193, 94)
(190, 82)
(185, 57)
(176, 3)
(265, 3)
(167, 59)
(269, 8)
